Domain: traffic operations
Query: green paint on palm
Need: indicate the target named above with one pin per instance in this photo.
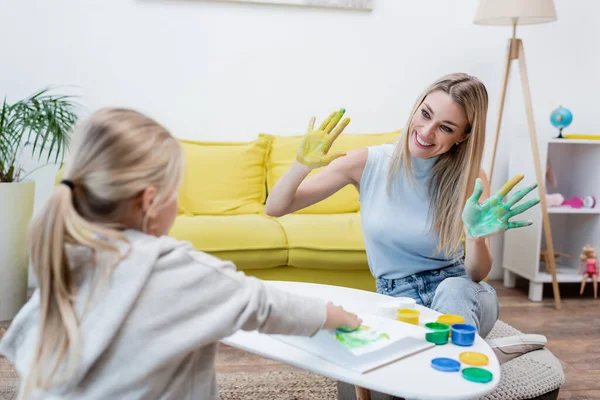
(360, 337)
(492, 216)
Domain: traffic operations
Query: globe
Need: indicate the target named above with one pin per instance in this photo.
(561, 118)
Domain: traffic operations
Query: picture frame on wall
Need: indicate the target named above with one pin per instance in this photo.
(366, 5)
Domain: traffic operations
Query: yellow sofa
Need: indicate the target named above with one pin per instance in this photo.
(221, 212)
(222, 201)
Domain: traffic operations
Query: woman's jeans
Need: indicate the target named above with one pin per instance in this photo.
(449, 291)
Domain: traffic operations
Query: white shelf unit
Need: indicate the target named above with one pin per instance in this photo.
(576, 164)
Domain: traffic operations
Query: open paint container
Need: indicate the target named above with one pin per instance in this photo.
(409, 316)
(390, 309)
(450, 319)
(405, 302)
(437, 332)
(463, 334)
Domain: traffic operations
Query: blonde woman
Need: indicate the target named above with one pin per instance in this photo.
(418, 198)
(122, 311)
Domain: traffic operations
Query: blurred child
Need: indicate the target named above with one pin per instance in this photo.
(123, 311)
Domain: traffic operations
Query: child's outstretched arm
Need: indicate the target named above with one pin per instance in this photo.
(194, 299)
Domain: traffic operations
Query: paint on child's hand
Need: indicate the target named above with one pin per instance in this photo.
(346, 329)
(363, 336)
(492, 216)
(315, 144)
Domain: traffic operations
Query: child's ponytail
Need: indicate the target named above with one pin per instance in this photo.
(54, 228)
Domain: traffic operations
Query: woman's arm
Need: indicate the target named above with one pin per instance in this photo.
(478, 260)
(293, 192)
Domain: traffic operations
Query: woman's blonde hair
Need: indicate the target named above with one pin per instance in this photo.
(453, 176)
(114, 156)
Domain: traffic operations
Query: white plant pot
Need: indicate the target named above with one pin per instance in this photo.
(16, 210)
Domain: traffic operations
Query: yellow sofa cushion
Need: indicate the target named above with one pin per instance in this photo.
(320, 241)
(250, 240)
(224, 178)
(283, 154)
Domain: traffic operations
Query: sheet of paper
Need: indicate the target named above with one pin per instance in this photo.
(378, 342)
(365, 339)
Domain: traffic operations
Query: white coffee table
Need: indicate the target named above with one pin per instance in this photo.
(410, 378)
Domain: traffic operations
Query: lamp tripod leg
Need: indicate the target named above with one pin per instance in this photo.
(509, 58)
(551, 262)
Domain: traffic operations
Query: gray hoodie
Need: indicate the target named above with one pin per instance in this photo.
(151, 331)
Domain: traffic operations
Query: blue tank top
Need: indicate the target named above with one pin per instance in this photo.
(396, 228)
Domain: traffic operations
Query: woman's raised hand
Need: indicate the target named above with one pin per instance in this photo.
(491, 217)
(313, 150)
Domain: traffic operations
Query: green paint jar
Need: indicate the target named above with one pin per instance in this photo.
(438, 332)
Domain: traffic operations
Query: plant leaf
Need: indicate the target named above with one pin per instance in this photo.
(42, 121)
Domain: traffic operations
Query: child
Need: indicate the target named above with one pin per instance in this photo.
(123, 311)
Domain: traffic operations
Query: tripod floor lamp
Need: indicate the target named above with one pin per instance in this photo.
(513, 13)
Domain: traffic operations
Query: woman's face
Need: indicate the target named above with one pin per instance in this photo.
(438, 124)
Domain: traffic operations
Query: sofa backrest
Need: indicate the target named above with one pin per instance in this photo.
(283, 154)
(231, 178)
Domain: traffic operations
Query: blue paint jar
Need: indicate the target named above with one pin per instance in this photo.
(463, 334)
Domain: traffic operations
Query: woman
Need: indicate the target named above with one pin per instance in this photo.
(418, 198)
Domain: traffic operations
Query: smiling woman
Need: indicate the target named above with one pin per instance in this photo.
(447, 127)
(418, 198)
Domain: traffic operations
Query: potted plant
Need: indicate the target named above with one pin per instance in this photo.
(42, 123)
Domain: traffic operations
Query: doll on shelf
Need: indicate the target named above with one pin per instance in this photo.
(590, 260)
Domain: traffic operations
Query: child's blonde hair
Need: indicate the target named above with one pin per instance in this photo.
(114, 156)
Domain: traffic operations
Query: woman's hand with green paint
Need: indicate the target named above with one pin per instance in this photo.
(316, 143)
(492, 216)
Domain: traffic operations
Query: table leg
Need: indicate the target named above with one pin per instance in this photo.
(362, 393)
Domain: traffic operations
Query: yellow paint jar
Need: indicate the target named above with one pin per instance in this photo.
(450, 319)
(410, 316)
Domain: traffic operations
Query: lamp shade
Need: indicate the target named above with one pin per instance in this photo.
(523, 12)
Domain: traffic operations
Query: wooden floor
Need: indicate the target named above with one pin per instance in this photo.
(573, 336)
(573, 332)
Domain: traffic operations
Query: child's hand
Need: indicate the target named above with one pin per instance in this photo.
(337, 317)
(316, 143)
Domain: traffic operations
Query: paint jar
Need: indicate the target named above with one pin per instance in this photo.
(437, 332)
(406, 303)
(409, 316)
(450, 319)
(388, 310)
(463, 334)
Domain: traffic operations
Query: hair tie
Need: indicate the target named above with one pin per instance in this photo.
(68, 183)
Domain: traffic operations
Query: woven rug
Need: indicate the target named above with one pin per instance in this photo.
(9, 380)
(280, 385)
